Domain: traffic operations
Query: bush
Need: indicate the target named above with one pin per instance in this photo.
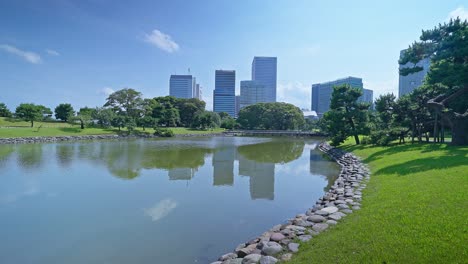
(163, 132)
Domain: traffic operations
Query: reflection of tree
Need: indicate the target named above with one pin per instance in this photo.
(5, 152)
(124, 160)
(323, 166)
(64, 153)
(174, 157)
(30, 155)
(273, 152)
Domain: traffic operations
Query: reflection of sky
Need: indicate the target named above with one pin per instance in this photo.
(160, 209)
(31, 188)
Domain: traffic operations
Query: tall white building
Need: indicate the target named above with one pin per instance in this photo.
(198, 92)
(264, 72)
(412, 81)
(224, 97)
(252, 92)
(182, 86)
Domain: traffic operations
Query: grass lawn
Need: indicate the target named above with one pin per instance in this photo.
(18, 128)
(414, 210)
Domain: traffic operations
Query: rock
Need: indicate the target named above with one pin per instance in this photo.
(271, 248)
(304, 238)
(316, 218)
(228, 256)
(343, 206)
(320, 227)
(268, 260)
(251, 259)
(295, 228)
(216, 262)
(276, 228)
(340, 214)
(330, 209)
(347, 211)
(334, 216)
(246, 251)
(233, 261)
(277, 237)
(332, 222)
(286, 257)
(301, 222)
(294, 247)
(322, 212)
(356, 207)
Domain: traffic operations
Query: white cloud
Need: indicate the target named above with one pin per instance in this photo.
(106, 91)
(160, 209)
(52, 52)
(460, 12)
(26, 55)
(296, 93)
(162, 41)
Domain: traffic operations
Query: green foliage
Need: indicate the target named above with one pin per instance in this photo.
(228, 122)
(271, 116)
(205, 120)
(126, 102)
(30, 112)
(163, 132)
(103, 116)
(64, 112)
(4, 112)
(346, 117)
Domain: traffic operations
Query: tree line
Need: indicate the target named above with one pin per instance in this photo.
(439, 105)
(127, 108)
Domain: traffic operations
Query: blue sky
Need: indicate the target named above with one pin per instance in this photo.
(60, 51)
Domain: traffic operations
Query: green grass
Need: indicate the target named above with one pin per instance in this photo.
(414, 210)
(17, 128)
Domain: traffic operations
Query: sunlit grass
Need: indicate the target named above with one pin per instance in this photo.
(415, 210)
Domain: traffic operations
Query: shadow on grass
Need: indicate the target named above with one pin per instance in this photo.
(450, 156)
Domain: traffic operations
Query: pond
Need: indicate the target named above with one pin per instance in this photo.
(152, 201)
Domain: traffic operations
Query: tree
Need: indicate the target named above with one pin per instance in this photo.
(4, 112)
(103, 116)
(447, 47)
(64, 111)
(126, 102)
(84, 116)
(271, 116)
(29, 112)
(346, 116)
(205, 120)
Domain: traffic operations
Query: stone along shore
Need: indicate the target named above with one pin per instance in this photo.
(45, 139)
(281, 241)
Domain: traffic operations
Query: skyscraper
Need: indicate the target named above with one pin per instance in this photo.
(252, 92)
(237, 105)
(412, 81)
(198, 92)
(321, 93)
(224, 93)
(182, 86)
(264, 72)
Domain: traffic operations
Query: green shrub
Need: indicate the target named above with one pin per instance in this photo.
(163, 132)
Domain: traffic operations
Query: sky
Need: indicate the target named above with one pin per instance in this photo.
(78, 52)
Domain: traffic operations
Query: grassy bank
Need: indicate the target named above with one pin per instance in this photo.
(14, 128)
(415, 210)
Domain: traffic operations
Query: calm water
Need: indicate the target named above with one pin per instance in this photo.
(151, 201)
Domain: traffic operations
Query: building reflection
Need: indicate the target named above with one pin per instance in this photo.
(223, 166)
(181, 174)
(262, 178)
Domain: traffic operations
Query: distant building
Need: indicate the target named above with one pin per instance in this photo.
(321, 93)
(182, 86)
(312, 115)
(252, 92)
(224, 97)
(198, 92)
(264, 72)
(237, 105)
(412, 81)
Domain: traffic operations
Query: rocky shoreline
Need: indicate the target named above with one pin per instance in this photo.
(281, 241)
(46, 139)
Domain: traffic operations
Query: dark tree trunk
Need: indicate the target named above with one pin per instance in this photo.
(32, 123)
(436, 130)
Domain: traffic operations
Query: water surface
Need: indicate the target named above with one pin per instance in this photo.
(151, 201)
